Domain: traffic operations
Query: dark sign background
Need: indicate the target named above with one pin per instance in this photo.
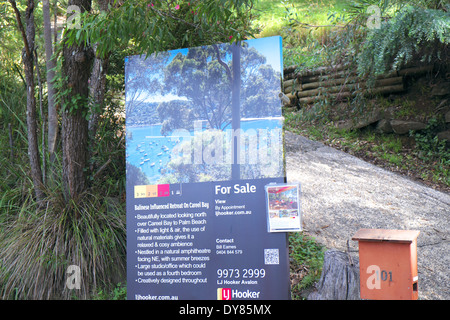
(194, 231)
(240, 259)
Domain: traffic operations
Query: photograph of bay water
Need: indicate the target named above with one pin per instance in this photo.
(209, 113)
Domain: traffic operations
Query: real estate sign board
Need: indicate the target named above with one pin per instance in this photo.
(204, 138)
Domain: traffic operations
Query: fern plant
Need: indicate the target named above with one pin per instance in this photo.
(414, 34)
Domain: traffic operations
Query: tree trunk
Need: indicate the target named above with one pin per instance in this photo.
(339, 279)
(41, 111)
(98, 82)
(28, 36)
(50, 64)
(97, 89)
(76, 67)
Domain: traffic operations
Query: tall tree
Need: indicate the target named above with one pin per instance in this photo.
(150, 26)
(209, 80)
(28, 36)
(97, 81)
(50, 64)
(76, 67)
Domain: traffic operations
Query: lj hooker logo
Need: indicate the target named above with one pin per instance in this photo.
(223, 294)
(228, 294)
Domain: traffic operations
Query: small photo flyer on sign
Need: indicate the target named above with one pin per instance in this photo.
(283, 207)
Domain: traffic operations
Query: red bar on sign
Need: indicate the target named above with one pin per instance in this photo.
(163, 190)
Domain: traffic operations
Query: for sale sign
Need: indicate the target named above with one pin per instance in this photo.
(204, 138)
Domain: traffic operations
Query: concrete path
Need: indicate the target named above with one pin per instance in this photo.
(342, 194)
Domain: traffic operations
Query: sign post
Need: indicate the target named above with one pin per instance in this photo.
(204, 138)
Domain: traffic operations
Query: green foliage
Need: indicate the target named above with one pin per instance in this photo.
(395, 159)
(326, 39)
(37, 246)
(119, 292)
(163, 25)
(414, 34)
(358, 10)
(432, 150)
(305, 251)
(309, 31)
(203, 76)
(429, 146)
(39, 241)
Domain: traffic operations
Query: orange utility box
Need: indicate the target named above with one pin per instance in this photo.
(388, 264)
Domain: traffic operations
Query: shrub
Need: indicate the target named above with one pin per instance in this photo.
(415, 34)
(429, 146)
(37, 246)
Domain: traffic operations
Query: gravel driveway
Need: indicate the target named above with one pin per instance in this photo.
(342, 194)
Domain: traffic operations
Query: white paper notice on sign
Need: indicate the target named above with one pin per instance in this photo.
(283, 207)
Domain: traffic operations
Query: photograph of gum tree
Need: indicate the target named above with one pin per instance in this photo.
(209, 113)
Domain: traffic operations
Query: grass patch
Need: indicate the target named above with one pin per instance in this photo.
(273, 16)
(306, 262)
(296, 21)
(119, 292)
(395, 159)
(38, 244)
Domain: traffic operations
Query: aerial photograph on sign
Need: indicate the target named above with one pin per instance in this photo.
(180, 119)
